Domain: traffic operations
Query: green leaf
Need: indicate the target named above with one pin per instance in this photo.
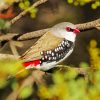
(58, 78)
(70, 1)
(21, 5)
(27, 3)
(84, 65)
(71, 74)
(3, 83)
(94, 6)
(26, 92)
(14, 86)
(2, 23)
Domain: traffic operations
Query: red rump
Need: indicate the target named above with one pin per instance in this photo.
(35, 63)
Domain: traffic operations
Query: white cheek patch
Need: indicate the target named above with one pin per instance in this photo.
(70, 36)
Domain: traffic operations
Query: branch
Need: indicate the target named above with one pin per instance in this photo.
(82, 27)
(8, 56)
(25, 11)
(89, 25)
(34, 34)
(8, 36)
(13, 48)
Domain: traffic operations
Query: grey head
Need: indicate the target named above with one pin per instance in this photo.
(65, 30)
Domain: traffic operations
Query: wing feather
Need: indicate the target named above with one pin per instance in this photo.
(47, 42)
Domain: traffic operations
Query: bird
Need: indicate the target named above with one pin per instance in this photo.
(52, 48)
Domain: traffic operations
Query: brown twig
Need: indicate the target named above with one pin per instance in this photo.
(8, 36)
(13, 48)
(34, 34)
(89, 25)
(25, 11)
(8, 56)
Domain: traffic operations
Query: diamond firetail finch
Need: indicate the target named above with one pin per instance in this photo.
(52, 48)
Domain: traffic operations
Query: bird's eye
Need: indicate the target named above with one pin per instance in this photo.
(68, 29)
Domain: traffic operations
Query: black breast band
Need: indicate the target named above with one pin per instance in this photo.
(58, 53)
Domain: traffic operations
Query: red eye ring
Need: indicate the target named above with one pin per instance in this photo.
(68, 29)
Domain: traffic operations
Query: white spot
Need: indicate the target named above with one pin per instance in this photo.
(59, 44)
(49, 58)
(62, 42)
(42, 58)
(41, 53)
(46, 57)
(55, 50)
(65, 42)
(52, 54)
(49, 52)
(61, 48)
(53, 58)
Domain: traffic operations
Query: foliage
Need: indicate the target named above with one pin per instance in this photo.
(26, 92)
(4, 24)
(9, 68)
(94, 3)
(65, 88)
(94, 55)
(25, 4)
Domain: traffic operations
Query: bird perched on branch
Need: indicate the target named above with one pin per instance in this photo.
(52, 48)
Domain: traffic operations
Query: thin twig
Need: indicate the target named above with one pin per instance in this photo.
(8, 36)
(25, 11)
(79, 70)
(13, 48)
(8, 56)
(34, 34)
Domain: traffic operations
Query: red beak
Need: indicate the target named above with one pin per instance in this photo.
(76, 31)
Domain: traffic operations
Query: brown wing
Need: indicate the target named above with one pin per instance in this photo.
(47, 42)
